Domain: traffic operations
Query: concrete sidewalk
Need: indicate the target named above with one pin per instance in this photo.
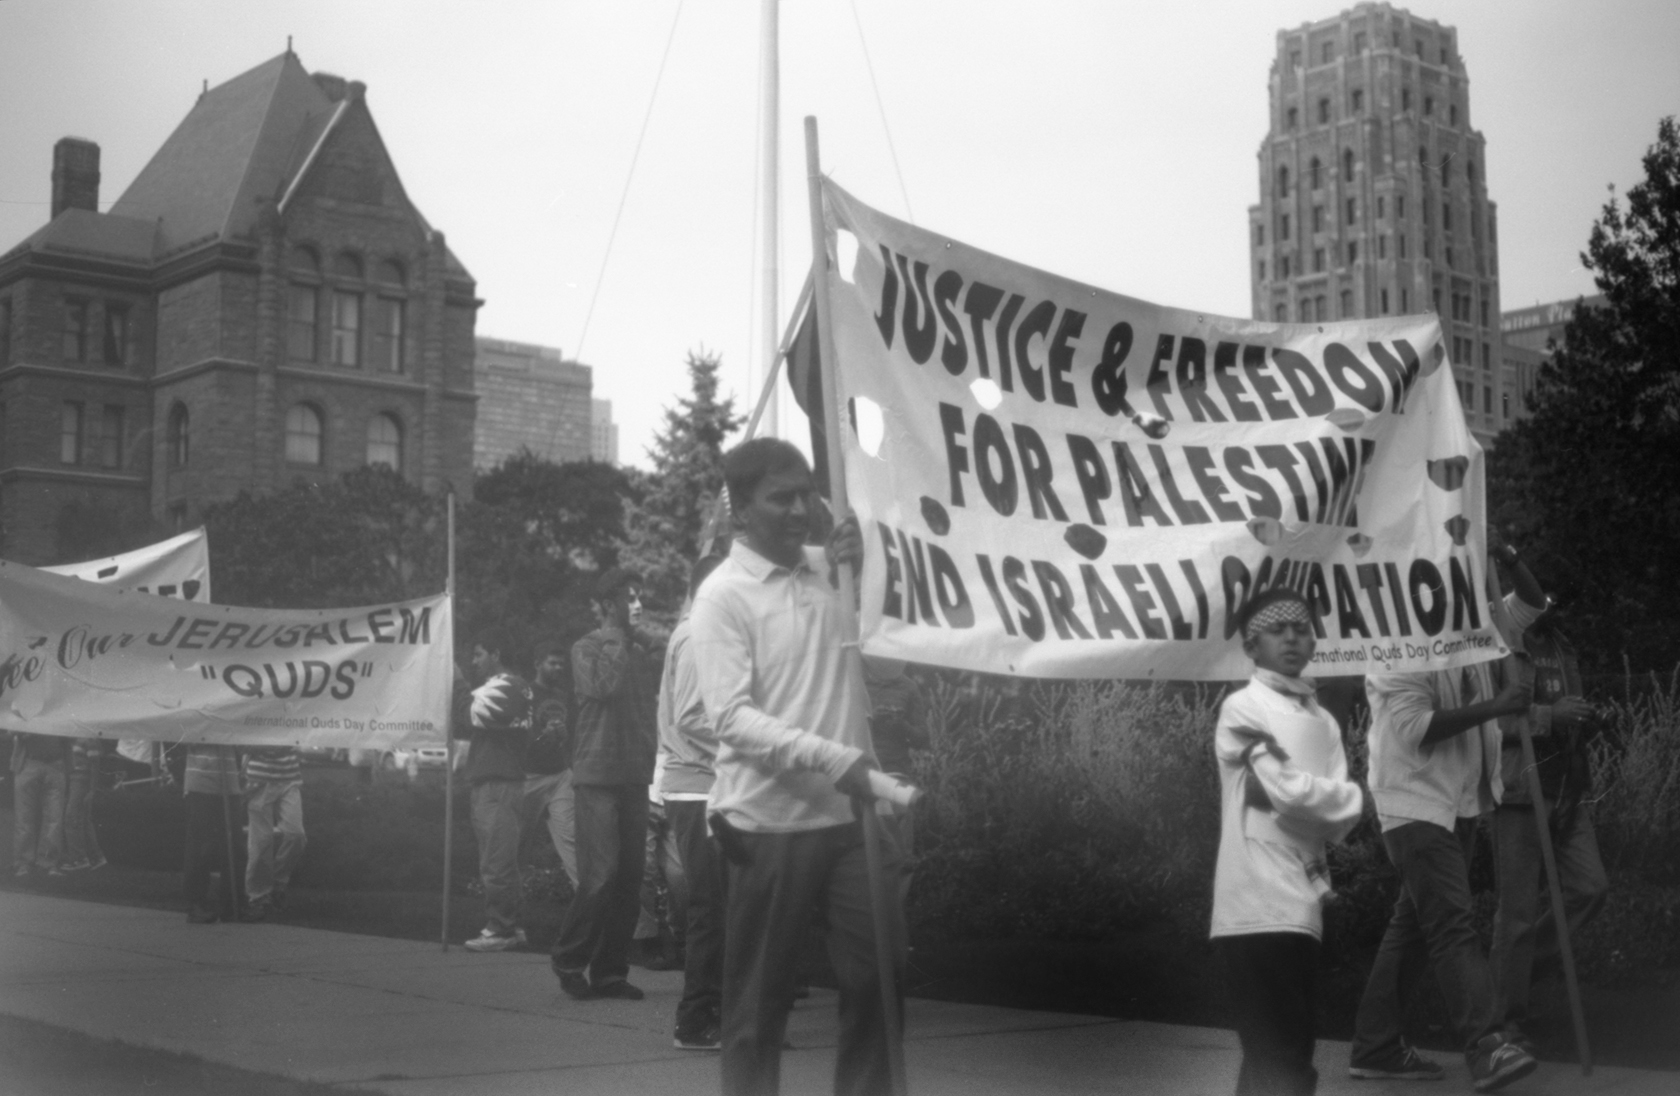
(394, 1016)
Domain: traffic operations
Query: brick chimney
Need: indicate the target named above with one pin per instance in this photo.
(333, 86)
(75, 175)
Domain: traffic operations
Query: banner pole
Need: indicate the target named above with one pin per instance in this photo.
(227, 829)
(886, 936)
(448, 738)
(1548, 856)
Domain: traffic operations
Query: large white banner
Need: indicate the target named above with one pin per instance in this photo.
(1057, 481)
(177, 567)
(86, 659)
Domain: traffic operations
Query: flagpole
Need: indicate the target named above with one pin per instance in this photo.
(886, 936)
(449, 739)
(770, 155)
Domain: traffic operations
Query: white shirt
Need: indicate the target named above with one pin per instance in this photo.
(786, 699)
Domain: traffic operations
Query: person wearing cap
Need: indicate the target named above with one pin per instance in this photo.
(787, 700)
(1285, 794)
(1434, 770)
(1561, 725)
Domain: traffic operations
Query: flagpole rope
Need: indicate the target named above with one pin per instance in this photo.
(909, 214)
(629, 178)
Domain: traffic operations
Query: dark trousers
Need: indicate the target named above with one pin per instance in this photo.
(1430, 925)
(1273, 981)
(769, 900)
(207, 851)
(702, 996)
(611, 841)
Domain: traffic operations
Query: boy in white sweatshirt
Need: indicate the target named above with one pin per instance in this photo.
(1285, 793)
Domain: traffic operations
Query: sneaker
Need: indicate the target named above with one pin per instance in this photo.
(575, 984)
(202, 915)
(1496, 1063)
(55, 872)
(75, 865)
(96, 863)
(490, 941)
(709, 1038)
(1406, 1065)
(624, 991)
(22, 871)
(520, 938)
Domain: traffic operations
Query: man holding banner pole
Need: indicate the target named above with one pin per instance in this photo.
(794, 756)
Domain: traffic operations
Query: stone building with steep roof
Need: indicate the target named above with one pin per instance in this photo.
(262, 304)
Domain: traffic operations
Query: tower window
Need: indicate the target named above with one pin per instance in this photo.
(1379, 207)
(1405, 98)
(1283, 184)
(1352, 211)
(1446, 215)
(1347, 304)
(1318, 260)
(1382, 247)
(1452, 114)
(1359, 42)
(1318, 219)
(1314, 174)
(1260, 269)
(1428, 106)
(70, 433)
(1384, 296)
(384, 442)
(1283, 227)
(180, 436)
(1259, 235)
(1353, 251)
(303, 434)
(1327, 53)
(1356, 101)
(1347, 165)
(75, 330)
(1293, 118)
(1323, 111)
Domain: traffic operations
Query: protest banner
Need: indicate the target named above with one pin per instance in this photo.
(84, 659)
(177, 567)
(1057, 481)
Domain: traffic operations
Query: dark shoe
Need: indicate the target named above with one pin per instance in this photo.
(1406, 1065)
(55, 872)
(624, 991)
(710, 1038)
(201, 915)
(256, 911)
(575, 983)
(670, 959)
(1495, 1063)
(276, 899)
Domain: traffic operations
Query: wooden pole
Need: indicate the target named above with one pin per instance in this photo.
(232, 885)
(449, 741)
(1548, 856)
(880, 900)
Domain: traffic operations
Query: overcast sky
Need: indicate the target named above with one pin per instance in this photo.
(1107, 141)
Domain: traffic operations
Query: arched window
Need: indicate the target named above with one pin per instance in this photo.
(1347, 165)
(303, 434)
(384, 441)
(1313, 174)
(347, 265)
(305, 261)
(180, 439)
(1283, 182)
(390, 272)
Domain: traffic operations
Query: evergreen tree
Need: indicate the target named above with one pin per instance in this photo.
(687, 477)
(1589, 481)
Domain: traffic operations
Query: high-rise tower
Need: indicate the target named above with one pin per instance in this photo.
(1373, 191)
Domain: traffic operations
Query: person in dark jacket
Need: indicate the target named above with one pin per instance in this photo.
(548, 762)
(500, 723)
(614, 679)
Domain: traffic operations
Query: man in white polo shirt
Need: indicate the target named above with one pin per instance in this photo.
(791, 714)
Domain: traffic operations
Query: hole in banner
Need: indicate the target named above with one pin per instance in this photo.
(871, 427)
(846, 253)
(986, 393)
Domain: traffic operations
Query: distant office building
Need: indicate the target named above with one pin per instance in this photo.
(529, 397)
(263, 303)
(1527, 333)
(604, 439)
(1373, 195)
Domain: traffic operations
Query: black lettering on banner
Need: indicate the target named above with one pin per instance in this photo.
(1317, 593)
(949, 589)
(199, 629)
(979, 305)
(168, 636)
(1199, 592)
(920, 329)
(1208, 482)
(1425, 575)
(1106, 615)
(344, 633)
(323, 632)
(314, 685)
(1000, 487)
(1321, 486)
(1160, 381)
(1370, 580)
(990, 579)
(1350, 374)
(288, 636)
(346, 676)
(1310, 390)
(232, 632)
(918, 592)
(416, 628)
(1181, 628)
(1092, 474)
(1135, 496)
(1058, 599)
(1189, 511)
(1036, 472)
(1005, 321)
(1397, 598)
(892, 603)
(1108, 378)
(380, 624)
(1262, 500)
(953, 355)
(1265, 386)
(885, 320)
(1348, 617)
(956, 457)
(274, 680)
(1061, 358)
(1230, 385)
(1464, 597)
(249, 683)
(1281, 460)
(1401, 371)
(1037, 322)
(1032, 618)
(1143, 605)
(1192, 381)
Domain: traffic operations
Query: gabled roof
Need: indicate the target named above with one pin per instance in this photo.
(240, 142)
(102, 235)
